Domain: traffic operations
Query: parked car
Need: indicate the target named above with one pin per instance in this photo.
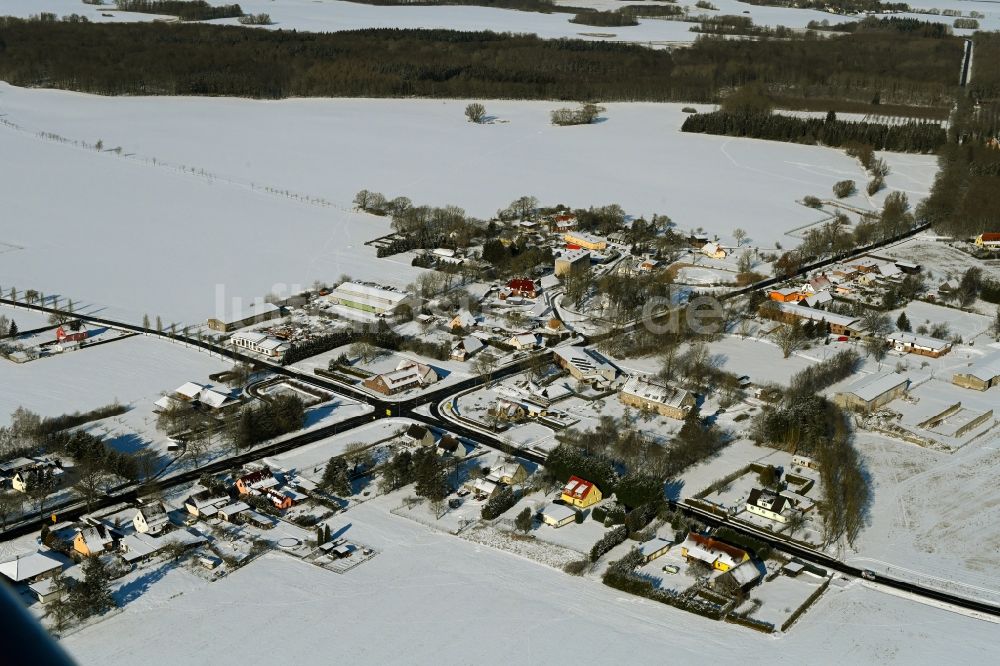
(868, 574)
(671, 568)
(454, 503)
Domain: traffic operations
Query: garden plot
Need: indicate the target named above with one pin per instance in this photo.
(968, 325)
(777, 599)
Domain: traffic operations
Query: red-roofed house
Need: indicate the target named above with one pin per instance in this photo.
(523, 287)
(256, 482)
(580, 493)
(716, 554)
(65, 333)
(989, 240)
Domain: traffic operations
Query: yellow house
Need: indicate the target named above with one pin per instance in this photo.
(718, 555)
(580, 493)
(92, 540)
(585, 241)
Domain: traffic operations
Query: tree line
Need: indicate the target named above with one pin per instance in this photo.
(205, 59)
(186, 10)
(910, 137)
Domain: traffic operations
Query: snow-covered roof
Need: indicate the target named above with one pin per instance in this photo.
(577, 488)
(213, 399)
(483, 486)
(471, 344)
(573, 256)
(653, 546)
(985, 369)
(165, 402)
(234, 508)
(253, 311)
(744, 574)
(16, 464)
(585, 361)
(642, 387)
(871, 387)
(189, 390)
(819, 298)
(381, 298)
(923, 342)
(558, 512)
(707, 549)
(816, 315)
(524, 339)
(93, 539)
(24, 568)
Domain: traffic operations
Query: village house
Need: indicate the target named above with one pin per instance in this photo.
(449, 445)
(768, 504)
(523, 341)
(27, 478)
(466, 348)
(557, 515)
(786, 295)
(580, 493)
(31, 568)
(463, 321)
(713, 250)
(585, 365)
(256, 482)
(981, 375)
(93, 540)
(508, 473)
(989, 241)
(718, 555)
(481, 488)
(576, 240)
(231, 512)
(652, 549)
(366, 298)
(644, 394)
(283, 499)
(69, 333)
(260, 343)
(571, 260)
(205, 504)
(418, 434)
(507, 410)
(407, 375)
(195, 395)
(523, 288)
(739, 578)
(255, 314)
(919, 345)
(151, 518)
(789, 312)
(818, 299)
(871, 392)
(562, 222)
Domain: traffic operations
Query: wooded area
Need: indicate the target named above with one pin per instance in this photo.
(911, 137)
(199, 59)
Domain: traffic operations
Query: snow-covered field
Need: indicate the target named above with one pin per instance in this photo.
(196, 208)
(334, 15)
(136, 370)
(430, 596)
(925, 501)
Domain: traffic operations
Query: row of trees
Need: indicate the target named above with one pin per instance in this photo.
(256, 423)
(201, 59)
(911, 137)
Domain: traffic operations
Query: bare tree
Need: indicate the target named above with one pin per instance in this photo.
(740, 235)
(486, 364)
(92, 481)
(789, 339)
